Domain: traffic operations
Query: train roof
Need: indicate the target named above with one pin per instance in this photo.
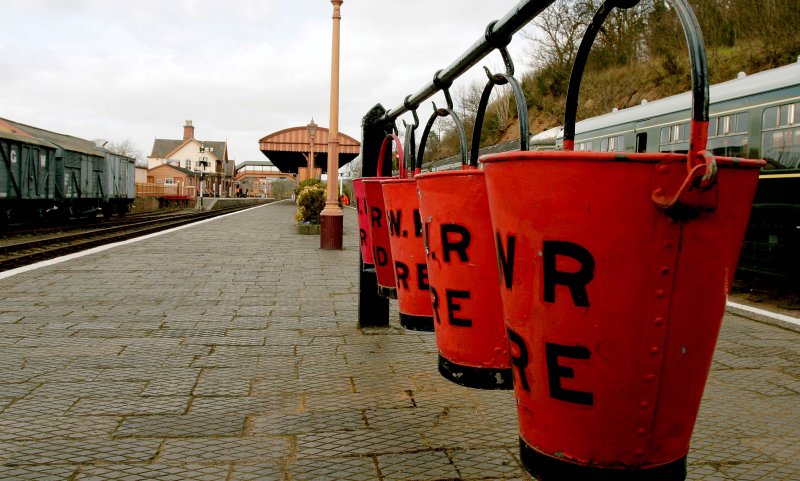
(546, 137)
(25, 138)
(66, 142)
(766, 81)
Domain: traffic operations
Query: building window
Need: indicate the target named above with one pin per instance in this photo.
(169, 181)
(188, 164)
(159, 181)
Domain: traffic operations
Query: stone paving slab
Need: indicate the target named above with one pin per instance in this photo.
(229, 351)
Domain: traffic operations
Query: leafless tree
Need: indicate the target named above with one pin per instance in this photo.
(557, 32)
(126, 148)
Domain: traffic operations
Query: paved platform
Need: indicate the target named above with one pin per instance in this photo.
(228, 351)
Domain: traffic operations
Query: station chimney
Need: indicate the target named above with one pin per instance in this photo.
(188, 130)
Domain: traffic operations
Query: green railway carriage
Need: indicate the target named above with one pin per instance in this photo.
(44, 174)
(752, 116)
(25, 166)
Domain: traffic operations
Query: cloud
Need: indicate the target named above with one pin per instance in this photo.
(239, 69)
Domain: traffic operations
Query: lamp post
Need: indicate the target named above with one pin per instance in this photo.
(203, 163)
(332, 217)
(312, 132)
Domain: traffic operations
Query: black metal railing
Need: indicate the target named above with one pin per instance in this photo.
(498, 35)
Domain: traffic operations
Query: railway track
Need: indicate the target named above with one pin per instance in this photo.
(18, 254)
(47, 228)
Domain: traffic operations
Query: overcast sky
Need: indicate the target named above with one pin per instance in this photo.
(239, 69)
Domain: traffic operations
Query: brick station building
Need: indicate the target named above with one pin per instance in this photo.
(206, 156)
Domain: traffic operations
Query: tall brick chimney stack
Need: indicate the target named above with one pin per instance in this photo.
(188, 130)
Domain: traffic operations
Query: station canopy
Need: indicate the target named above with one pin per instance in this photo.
(288, 149)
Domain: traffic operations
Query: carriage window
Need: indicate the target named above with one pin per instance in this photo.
(712, 127)
(770, 118)
(664, 135)
(616, 144)
(725, 125)
(604, 145)
(676, 133)
(787, 112)
(742, 122)
(781, 149)
(779, 139)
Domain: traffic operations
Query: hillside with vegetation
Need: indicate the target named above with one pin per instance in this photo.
(640, 54)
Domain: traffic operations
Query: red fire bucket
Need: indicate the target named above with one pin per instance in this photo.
(613, 306)
(408, 251)
(615, 269)
(464, 279)
(378, 227)
(363, 222)
(470, 334)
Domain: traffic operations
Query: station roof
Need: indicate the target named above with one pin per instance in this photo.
(287, 149)
(256, 163)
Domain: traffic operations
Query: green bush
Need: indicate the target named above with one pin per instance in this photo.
(310, 202)
(308, 182)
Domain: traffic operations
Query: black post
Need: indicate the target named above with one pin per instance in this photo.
(373, 309)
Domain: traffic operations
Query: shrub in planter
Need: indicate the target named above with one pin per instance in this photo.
(310, 203)
(306, 183)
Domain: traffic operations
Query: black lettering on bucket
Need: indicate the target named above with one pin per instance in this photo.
(519, 362)
(426, 235)
(575, 281)
(358, 205)
(505, 258)
(422, 277)
(417, 224)
(362, 233)
(381, 256)
(402, 274)
(458, 245)
(453, 307)
(556, 371)
(435, 305)
(395, 218)
(376, 217)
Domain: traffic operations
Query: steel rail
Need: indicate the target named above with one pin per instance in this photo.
(24, 253)
(498, 34)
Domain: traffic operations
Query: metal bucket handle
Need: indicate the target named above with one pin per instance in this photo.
(410, 144)
(522, 108)
(448, 111)
(382, 154)
(700, 164)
